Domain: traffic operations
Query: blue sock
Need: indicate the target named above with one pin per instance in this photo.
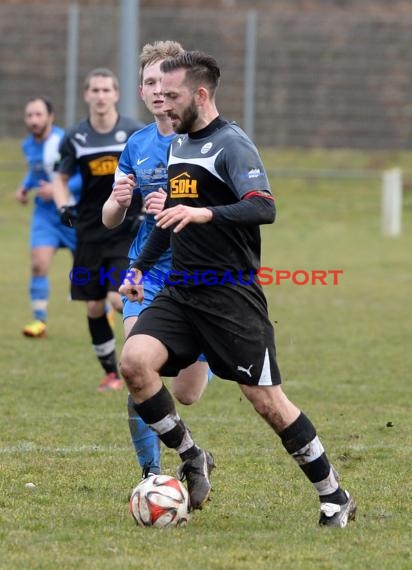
(202, 358)
(145, 441)
(39, 296)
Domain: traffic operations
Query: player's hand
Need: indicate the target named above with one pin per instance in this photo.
(45, 191)
(130, 286)
(68, 215)
(155, 201)
(21, 196)
(123, 190)
(180, 216)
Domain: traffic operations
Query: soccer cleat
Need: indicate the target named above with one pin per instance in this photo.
(196, 472)
(338, 516)
(148, 470)
(36, 329)
(110, 383)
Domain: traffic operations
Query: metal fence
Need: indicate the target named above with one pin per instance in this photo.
(310, 79)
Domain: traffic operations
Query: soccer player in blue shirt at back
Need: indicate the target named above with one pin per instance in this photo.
(41, 151)
(142, 168)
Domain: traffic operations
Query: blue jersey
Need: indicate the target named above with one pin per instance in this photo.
(42, 158)
(145, 156)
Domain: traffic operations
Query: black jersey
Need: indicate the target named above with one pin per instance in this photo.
(217, 166)
(97, 155)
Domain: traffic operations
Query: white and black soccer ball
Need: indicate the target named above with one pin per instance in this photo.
(160, 501)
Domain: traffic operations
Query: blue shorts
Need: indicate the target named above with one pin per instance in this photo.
(134, 308)
(47, 230)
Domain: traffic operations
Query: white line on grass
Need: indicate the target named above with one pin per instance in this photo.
(29, 447)
(33, 448)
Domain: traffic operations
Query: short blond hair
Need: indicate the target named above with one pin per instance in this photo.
(157, 51)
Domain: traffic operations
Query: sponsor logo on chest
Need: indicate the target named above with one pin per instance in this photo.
(183, 186)
(103, 165)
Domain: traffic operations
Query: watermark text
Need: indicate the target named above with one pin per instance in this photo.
(264, 276)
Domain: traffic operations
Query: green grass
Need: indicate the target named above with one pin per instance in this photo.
(345, 356)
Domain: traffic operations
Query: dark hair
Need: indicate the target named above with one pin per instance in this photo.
(201, 68)
(47, 102)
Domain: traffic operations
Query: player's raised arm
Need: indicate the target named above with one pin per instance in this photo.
(115, 208)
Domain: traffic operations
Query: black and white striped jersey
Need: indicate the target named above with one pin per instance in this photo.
(97, 155)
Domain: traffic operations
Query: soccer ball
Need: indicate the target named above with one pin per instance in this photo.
(160, 501)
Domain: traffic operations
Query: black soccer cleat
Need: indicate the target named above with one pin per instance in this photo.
(148, 470)
(196, 472)
(338, 516)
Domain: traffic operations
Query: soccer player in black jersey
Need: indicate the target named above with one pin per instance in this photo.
(94, 146)
(218, 195)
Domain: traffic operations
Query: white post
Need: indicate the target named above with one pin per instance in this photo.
(71, 64)
(250, 73)
(392, 202)
(128, 57)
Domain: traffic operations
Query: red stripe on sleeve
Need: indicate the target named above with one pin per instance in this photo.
(258, 193)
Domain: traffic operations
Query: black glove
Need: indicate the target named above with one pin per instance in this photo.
(68, 215)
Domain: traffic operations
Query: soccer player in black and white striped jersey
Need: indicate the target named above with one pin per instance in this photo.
(94, 146)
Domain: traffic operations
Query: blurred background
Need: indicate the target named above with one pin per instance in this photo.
(301, 73)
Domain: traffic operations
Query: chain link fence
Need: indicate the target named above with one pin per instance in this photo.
(329, 79)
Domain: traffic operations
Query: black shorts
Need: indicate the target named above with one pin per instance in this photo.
(228, 324)
(97, 269)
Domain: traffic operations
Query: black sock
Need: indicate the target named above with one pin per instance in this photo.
(103, 343)
(159, 412)
(339, 497)
(191, 453)
(302, 443)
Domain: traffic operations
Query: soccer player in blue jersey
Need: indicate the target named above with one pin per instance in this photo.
(142, 169)
(48, 234)
(218, 196)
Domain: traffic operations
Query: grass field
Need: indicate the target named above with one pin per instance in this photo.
(346, 358)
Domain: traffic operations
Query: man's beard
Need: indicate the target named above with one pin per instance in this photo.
(38, 131)
(190, 116)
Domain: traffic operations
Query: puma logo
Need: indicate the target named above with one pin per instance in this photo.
(81, 137)
(245, 370)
